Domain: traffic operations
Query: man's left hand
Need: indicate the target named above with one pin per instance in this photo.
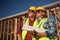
(41, 34)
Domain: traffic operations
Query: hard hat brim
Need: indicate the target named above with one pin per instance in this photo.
(41, 10)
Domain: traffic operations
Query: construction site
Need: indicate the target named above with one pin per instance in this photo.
(9, 24)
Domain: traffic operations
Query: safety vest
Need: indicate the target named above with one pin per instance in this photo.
(40, 25)
(24, 32)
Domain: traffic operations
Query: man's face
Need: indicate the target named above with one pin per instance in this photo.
(40, 13)
(31, 13)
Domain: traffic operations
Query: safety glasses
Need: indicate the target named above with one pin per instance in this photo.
(31, 11)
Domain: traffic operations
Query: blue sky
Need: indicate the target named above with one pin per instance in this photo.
(11, 7)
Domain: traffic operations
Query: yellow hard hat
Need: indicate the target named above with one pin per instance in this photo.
(32, 8)
(40, 8)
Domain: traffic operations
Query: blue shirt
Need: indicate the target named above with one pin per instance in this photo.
(52, 17)
(50, 26)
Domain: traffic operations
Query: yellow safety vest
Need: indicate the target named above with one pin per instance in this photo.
(24, 32)
(40, 25)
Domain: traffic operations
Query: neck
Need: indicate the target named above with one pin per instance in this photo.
(41, 17)
(31, 18)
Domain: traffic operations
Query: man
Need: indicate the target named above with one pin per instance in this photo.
(45, 24)
(27, 35)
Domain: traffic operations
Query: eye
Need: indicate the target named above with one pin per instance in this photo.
(31, 11)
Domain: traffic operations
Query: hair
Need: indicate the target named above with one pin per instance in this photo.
(45, 15)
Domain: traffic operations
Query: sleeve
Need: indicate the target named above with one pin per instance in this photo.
(52, 30)
(19, 29)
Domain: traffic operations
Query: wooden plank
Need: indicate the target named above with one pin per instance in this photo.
(11, 29)
(15, 30)
(56, 24)
(0, 30)
(3, 25)
(18, 35)
(4, 29)
(7, 29)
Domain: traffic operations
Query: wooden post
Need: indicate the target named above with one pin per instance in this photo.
(55, 12)
(15, 30)
(11, 29)
(0, 30)
(8, 29)
(18, 35)
(4, 29)
(13, 25)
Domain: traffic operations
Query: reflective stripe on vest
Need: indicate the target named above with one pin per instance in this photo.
(40, 25)
(24, 32)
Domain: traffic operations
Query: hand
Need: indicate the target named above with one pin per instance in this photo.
(42, 34)
(32, 32)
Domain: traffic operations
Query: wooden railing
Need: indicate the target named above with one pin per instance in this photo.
(8, 29)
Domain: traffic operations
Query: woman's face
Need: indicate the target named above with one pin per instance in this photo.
(40, 13)
(31, 14)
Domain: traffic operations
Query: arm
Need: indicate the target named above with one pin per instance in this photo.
(19, 30)
(52, 31)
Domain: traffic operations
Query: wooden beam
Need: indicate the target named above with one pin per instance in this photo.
(18, 35)
(15, 29)
(7, 29)
(0, 30)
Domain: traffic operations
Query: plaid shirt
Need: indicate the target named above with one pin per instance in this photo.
(50, 26)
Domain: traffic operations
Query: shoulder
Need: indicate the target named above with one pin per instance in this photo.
(50, 20)
(25, 19)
